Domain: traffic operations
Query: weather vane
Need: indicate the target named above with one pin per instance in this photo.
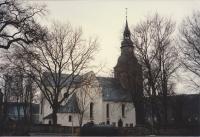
(126, 13)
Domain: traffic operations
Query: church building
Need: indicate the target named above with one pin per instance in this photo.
(110, 101)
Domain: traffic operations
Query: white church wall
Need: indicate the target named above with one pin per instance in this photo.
(46, 110)
(46, 107)
(115, 113)
(97, 111)
(92, 95)
(65, 120)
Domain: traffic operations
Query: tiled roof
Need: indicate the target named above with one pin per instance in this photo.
(66, 79)
(12, 105)
(112, 90)
(71, 106)
(48, 116)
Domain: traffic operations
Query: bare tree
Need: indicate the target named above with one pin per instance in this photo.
(190, 44)
(17, 88)
(157, 55)
(88, 92)
(63, 51)
(17, 23)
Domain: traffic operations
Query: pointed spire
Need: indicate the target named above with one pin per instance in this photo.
(126, 31)
(126, 14)
(127, 35)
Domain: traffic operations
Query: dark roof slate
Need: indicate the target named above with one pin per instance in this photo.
(71, 106)
(113, 91)
(12, 105)
(49, 116)
(66, 79)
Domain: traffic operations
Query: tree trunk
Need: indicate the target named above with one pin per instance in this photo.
(80, 120)
(139, 108)
(165, 93)
(165, 110)
(153, 114)
(5, 109)
(54, 116)
(30, 113)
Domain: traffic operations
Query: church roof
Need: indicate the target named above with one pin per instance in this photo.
(71, 106)
(48, 79)
(112, 90)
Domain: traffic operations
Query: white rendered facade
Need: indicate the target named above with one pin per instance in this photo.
(93, 94)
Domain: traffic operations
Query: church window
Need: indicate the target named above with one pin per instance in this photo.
(107, 110)
(41, 107)
(108, 122)
(123, 110)
(70, 118)
(91, 110)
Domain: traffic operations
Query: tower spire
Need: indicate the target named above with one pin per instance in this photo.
(126, 14)
(126, 31)
(127, 34)
(126, 18)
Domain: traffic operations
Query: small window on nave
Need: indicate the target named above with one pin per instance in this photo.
(70, 118)
(91, 110)
(123, 110)
(108, 122)
(107, 110)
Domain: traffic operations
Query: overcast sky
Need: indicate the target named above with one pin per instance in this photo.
(105, 19)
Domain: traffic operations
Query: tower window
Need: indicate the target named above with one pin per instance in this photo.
(123, 110)
(107, 110)
(70, 118)
(91, 110)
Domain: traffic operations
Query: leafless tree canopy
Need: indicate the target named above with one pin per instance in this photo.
(155, 50)
(63, 51)
(158, 56)
(87, 92)
(17, 23)
(190, 43)
(17, 88)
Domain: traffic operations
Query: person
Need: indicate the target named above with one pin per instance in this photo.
(120, 123)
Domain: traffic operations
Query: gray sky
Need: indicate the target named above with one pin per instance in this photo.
(106, 19)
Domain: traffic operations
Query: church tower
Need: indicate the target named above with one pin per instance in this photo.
(128, 72)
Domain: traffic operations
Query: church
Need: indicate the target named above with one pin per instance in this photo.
(107, 101)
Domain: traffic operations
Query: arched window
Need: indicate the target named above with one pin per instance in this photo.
(107, 110)
(91, 110)
(70, 118)
(108, 122)
(123, 110)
